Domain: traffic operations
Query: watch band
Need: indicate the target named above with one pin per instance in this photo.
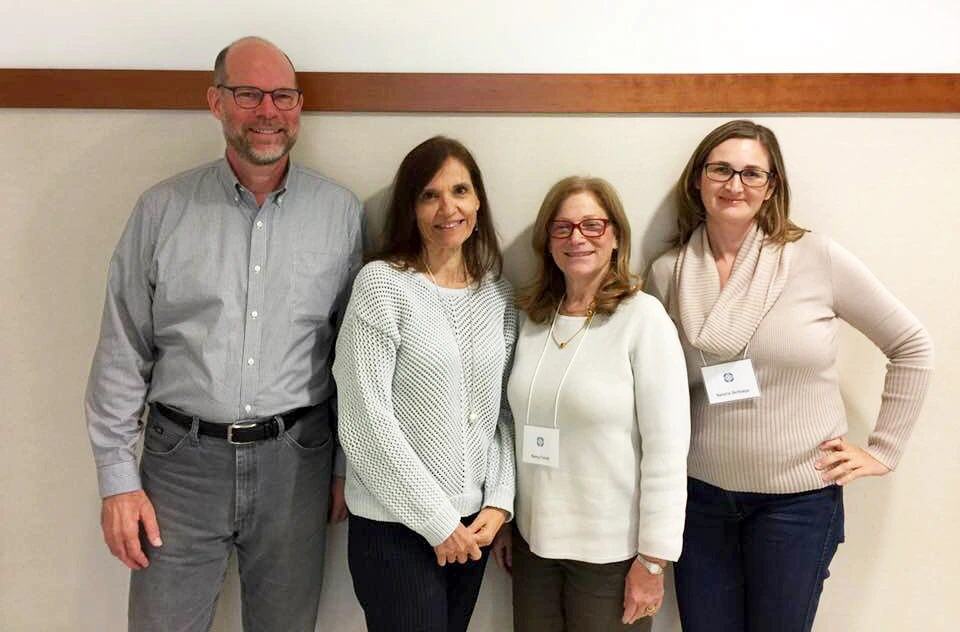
(652, 567)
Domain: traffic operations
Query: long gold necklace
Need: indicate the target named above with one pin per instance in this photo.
(586, 323)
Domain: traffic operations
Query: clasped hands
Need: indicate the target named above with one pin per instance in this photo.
(465, 541)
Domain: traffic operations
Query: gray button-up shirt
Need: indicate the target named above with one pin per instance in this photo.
(219, 308)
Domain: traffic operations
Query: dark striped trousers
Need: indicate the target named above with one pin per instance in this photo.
(399, 584)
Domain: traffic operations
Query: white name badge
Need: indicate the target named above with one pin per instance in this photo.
(541, 446)
(730, 381)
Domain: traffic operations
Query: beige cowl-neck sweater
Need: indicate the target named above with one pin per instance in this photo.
(769, 444)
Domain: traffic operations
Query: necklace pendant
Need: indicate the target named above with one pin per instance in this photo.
(472, 417)
(563, 345)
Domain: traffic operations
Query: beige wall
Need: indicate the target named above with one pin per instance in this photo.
(885, 187)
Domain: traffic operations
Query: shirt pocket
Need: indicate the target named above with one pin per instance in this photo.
(317, 276)
(189, 289)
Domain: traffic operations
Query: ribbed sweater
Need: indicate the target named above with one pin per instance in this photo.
(624, 422)
(412, 359)
(770, 444)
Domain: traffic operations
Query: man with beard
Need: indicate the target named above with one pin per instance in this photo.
(223, 298)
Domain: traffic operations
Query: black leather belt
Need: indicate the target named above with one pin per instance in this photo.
(240, 432)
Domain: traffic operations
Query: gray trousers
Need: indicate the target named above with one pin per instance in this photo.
(267, 500)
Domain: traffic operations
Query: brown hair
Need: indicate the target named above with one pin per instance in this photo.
(542, 297)
(402, 242)
(774, 215)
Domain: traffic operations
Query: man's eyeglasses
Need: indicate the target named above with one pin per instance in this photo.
(750, 177)
(249, 97)
(593, 227)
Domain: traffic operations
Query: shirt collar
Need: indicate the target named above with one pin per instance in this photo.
(233, 188)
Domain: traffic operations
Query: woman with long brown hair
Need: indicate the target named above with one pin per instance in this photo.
(422, 355)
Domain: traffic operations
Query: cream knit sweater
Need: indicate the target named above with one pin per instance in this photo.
(619, 393)
(412, 360)
(769, 444)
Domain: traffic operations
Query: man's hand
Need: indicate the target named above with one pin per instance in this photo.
(457, 547)
(486, 525)
(338, 502)
(120, 518)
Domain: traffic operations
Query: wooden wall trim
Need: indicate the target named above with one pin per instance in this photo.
(504, 93)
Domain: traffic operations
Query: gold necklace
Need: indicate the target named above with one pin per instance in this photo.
(586, 323)
(463, 264)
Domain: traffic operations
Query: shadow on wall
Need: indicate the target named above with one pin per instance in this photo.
(518, 255)
(656, 237)
(375, 210)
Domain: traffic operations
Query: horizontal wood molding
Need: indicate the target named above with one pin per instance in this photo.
(504, 93)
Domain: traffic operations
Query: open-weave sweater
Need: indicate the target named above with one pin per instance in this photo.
(412, 361)
(770, 444)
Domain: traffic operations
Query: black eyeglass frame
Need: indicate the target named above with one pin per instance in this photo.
(577, 226)
(263, 93)
(733, 172)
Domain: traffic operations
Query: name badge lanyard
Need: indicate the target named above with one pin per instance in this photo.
(743, 356)
(546, 451)
(729, 381)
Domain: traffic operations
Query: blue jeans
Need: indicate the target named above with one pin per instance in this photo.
(267, 500)
(755, 562)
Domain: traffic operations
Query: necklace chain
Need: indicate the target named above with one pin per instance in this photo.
(471, 414)
(586, 323)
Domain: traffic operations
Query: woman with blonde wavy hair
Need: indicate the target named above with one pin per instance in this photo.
(758, 302)
(598, 375)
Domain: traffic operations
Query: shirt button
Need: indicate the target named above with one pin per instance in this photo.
(250, 361)
(248, 407)
(254, 314)
(259, 223)
(236, 199)
(257, 269)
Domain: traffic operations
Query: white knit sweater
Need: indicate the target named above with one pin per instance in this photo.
(412, 360)
(624, 420)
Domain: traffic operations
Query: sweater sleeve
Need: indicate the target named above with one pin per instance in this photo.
(663, 419)
(500, 482)
(370, 433)
(861, 300)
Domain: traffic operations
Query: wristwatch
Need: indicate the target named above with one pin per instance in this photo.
(652, 567)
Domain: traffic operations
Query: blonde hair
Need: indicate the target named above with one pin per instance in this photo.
(774, 215)
(542, 296)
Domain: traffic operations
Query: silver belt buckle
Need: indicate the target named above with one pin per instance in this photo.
(238, 426)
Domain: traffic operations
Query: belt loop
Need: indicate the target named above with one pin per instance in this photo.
(195, 431)
(281, 427)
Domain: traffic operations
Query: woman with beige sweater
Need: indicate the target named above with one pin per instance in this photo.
(757, 301)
